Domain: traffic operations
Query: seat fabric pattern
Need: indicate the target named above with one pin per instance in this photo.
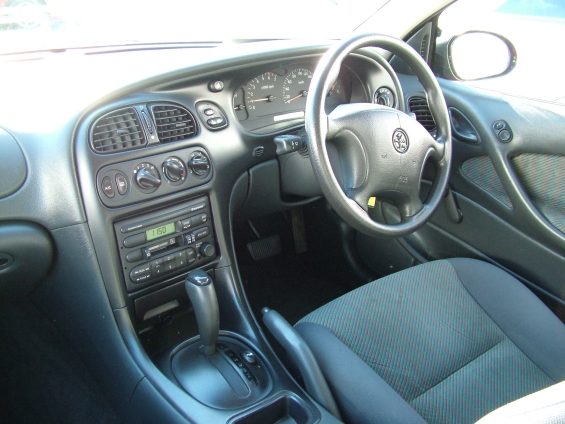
(425, 335)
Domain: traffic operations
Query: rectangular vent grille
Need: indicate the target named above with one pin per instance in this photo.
(117, 131)
(419, 106)
(173, 123)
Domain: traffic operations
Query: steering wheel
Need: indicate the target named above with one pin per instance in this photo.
(377, 152)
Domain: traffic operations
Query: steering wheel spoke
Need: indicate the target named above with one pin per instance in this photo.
(365, 151)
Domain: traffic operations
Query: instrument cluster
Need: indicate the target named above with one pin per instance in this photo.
(278, 96)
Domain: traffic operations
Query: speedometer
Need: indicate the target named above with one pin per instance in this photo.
(295, 88)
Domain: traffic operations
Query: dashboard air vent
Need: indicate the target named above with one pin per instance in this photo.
(419, 106)
(173, 122)
(117, 131)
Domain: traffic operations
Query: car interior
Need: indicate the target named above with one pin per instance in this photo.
(281, 231)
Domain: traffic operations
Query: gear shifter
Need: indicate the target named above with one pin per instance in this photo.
(216, 374)
(202, 294)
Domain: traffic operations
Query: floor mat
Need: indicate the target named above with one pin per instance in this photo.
(288, 283)
(42, 378)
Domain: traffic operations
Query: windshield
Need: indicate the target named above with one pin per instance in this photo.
(29, 25)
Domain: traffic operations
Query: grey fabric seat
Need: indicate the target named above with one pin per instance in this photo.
(444, 342)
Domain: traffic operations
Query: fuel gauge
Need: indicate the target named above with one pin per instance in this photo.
(336, 96)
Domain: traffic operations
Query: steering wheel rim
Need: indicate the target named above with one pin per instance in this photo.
(350, 198)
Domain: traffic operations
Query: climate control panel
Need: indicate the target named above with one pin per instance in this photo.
(156, 246)
(137, 180)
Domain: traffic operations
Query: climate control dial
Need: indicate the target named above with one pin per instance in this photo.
(146, 177)
(199, 164)
(174, 170)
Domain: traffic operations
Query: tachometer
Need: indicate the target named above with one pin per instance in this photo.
(295, 88)
(261, 93)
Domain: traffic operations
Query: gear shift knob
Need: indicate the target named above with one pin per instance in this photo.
(200, 290)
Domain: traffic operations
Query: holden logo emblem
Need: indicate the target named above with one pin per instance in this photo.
(400, 141)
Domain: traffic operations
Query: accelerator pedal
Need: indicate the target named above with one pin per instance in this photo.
(299, 230)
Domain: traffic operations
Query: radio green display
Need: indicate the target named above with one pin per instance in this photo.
(158, 232)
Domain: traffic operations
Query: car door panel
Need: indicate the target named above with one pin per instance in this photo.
(511, 194)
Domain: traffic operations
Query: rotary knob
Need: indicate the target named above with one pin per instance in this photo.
(207, 250)
(199, 163)
(174, 170)
(147, 177)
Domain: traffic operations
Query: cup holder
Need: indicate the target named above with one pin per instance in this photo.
(286, 408)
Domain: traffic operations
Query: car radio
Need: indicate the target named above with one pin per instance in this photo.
(161, 244)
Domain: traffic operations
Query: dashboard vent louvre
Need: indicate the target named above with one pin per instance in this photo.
(419, 106)
(117, 131)
(173, 122)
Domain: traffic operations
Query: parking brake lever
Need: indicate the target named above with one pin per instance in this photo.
(200, 289)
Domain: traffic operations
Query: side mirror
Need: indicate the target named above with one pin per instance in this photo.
(477, 55)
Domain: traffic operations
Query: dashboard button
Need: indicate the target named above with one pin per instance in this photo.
(196, 220)
(201, 233)
(135, 240)
(189, 238)
(134, 256)
(216, 122)
(208, 112)
(141, 273)
(505, 136)
(122, 184)
(169, 263)
(216, 86)
(107, 187)
(191, 254)
(181, 259)
(157, 268)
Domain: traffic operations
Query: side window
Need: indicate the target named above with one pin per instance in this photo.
(535, 28)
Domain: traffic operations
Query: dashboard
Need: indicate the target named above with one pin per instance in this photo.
(136, 163)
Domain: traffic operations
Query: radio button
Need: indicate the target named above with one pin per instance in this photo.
(157, 268)
(141, 273)
(189, 238)
(134, 256)
(191, 253)
(201, 233)
(135, 240)
(186, 223)
(181, 259)
(169, 263)
(199, 219)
